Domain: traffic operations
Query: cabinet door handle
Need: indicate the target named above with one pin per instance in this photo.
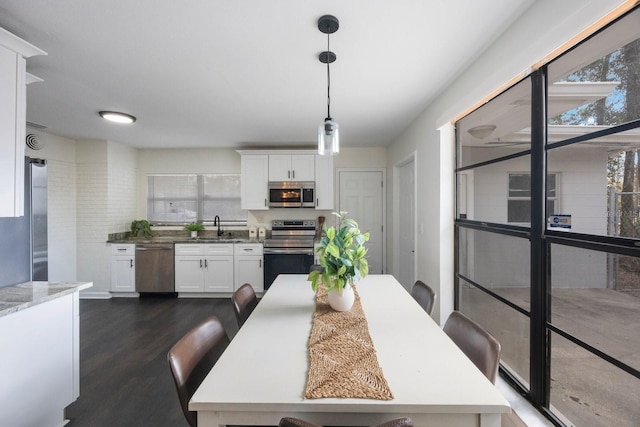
(260, 263)
(289, 174)
(265, 202)
(294, 174)
(200, 263)
(131, 263)
(206, 265)
(317, 202)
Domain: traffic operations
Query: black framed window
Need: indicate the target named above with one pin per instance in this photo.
(569, 235)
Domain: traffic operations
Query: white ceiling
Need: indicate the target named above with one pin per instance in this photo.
(244, 73)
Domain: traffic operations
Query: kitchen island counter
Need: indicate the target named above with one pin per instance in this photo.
(24, 295)
(40, 330)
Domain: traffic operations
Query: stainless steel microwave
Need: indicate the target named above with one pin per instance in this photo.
(292, 194)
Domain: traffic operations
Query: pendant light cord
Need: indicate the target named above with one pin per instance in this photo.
(328, 79)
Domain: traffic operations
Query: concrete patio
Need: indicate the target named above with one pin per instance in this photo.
(585, 389)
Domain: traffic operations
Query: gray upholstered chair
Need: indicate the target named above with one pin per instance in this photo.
(296, 422)
(479, 345)
(244, 301)
(192, 357)
(424, 295)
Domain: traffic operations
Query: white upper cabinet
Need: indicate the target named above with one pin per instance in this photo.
(13, 52)
(291, 167)
(261, 166)
(254, 181)
(324, 182)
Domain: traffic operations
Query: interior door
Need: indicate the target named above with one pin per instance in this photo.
(407, 229)
(361, 196)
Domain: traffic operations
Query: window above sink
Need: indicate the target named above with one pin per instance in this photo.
(182, 198)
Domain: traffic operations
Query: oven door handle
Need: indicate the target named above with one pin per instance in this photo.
(283, 251)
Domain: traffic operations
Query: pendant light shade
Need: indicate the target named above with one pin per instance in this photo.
(328, 137)
(329, 130)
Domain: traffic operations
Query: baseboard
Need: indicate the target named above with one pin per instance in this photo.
(95, 295)
(205, 294)
(124, 294)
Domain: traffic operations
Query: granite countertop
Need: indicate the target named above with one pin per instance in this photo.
(175, 236)
(24, 295)
(181, 239)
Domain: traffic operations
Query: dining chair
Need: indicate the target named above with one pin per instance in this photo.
(475, 342)
(424, 295)
(192, 357)
(297, 422)
(244, 301)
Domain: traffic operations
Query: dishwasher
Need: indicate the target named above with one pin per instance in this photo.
(154, 268)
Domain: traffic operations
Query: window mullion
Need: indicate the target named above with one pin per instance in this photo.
(200, 198)
(539, 346)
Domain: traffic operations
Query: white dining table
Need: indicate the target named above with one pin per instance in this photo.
(262, 375)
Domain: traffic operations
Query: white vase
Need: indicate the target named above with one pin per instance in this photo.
(194, 233)
(341, 300)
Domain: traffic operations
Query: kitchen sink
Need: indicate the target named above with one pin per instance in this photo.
(173, 239)
(217, 240)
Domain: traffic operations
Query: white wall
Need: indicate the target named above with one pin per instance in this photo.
(92, 215)
(545, 26)
(61, 193)
(122, 164)
(106, 184)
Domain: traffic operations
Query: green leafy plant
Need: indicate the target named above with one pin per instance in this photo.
(140, 228)
(341, 253)
(194, 226)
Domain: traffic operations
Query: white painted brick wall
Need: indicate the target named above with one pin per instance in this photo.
(62, 220)
(92, 224)
(122, 198)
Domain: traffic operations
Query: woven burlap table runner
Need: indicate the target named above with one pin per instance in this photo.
(342, 359)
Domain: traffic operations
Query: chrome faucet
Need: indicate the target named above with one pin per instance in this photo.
(216, 221)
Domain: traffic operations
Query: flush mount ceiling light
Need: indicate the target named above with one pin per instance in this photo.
(481, 132)
(329, 130)
(114, 116)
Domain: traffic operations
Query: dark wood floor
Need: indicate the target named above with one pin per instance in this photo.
(124, 375)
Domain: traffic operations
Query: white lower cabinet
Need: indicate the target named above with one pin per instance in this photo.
(204, 267)
(189, 273)
(123, 268)
(248, 267)
(218, 274)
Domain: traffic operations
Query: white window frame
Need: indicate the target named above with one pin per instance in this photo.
(200, 199)
(555, 198)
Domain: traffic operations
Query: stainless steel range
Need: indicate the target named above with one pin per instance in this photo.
(290, 248)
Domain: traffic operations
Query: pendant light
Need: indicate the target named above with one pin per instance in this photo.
(329, 130)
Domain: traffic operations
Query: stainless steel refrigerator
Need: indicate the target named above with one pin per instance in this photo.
(36, 182)
(23, 240)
